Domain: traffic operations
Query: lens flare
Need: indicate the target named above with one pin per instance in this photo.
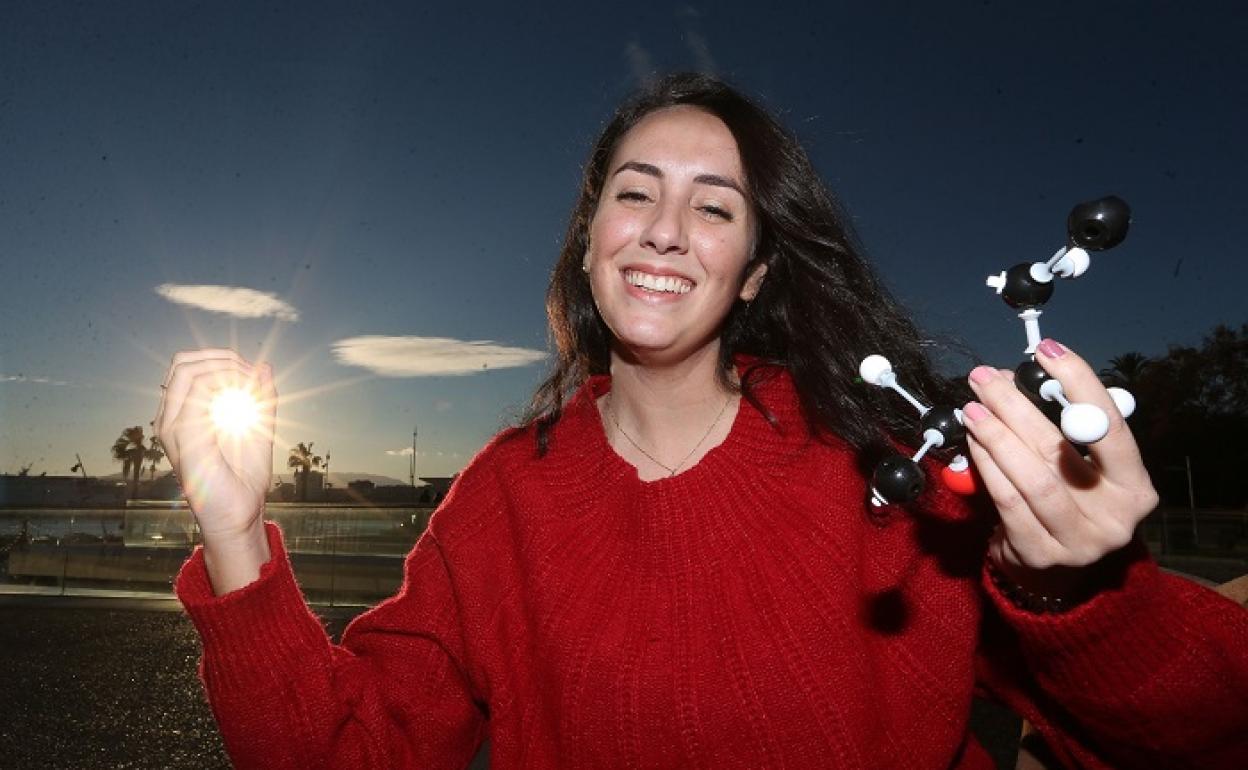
(235, 411)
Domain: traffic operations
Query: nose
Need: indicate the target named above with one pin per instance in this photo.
(666, 231)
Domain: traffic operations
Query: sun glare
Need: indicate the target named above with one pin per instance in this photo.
(235, 411)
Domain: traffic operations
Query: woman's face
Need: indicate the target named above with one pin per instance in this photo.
(671, 235)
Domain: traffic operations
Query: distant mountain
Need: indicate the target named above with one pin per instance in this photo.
(342, 479)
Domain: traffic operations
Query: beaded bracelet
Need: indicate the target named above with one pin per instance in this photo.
(1025, 600)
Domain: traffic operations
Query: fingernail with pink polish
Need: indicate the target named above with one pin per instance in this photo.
(982, 374)
(974, 411)
(1051, 349)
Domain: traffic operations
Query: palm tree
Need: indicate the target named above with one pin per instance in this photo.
(1126, 370)
(128, 449)
(153, 454)
(303, 461)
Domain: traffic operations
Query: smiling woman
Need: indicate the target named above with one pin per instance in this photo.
(694, 186)
(672, 561)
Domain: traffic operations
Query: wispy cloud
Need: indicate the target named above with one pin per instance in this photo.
(34, 380)
(430, 356)
(237, 301)
(701, 51)
(407, 452)
(640, 62)
(690, 18)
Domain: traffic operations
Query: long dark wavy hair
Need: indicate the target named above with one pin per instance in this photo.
(820, 310)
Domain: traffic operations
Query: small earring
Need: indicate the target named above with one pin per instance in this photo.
(585, 265)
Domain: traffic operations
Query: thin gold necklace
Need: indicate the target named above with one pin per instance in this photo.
(671, 470)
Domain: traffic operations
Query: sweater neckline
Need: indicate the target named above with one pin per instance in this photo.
(598, 387)
(581, 451)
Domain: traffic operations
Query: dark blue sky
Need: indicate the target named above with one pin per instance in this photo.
(384, 170)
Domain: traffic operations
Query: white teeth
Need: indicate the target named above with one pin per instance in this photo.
(669, 284)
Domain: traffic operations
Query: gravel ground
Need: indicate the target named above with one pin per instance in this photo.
(88, 688)
(108, 684)
(104, 683)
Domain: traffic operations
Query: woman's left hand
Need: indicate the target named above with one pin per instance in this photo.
(1059, 511)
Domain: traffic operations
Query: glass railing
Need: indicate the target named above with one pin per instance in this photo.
(342, 555)
(1204, 543)
(353, 555)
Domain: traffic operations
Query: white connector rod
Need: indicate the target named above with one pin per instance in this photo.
(877, 370)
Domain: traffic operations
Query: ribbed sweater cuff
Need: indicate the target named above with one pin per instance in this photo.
(1120, 637)
(256, 630)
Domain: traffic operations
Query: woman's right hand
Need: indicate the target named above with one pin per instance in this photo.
(224, 476)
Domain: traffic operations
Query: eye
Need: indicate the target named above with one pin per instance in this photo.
(632, 195)
(716, 211)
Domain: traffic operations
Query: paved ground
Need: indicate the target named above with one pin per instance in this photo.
(115, 688)
(101, 683)
(89, 682)
(104, 683)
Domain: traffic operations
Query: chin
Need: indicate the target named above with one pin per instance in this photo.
(644, 346)
(658, 349)
(642, 332)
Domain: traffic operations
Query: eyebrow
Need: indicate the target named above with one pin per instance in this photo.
(655, 171)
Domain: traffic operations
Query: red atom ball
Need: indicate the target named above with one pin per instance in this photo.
(961, 482)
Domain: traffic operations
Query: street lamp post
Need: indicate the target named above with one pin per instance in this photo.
(411, 465)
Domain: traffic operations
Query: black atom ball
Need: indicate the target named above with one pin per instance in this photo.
(1099, 224)
(944, 420)
(1029, 376)
(898, 479)
(1021, 290)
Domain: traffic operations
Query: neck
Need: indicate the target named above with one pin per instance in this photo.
(668, 391)
(668, 408)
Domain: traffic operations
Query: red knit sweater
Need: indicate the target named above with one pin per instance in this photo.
(747, 613)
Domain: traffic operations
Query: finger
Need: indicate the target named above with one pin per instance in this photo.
(209, 451)
(224, 372)
(196, 441)
(181, 377)
(1022, 527)
(255, 447)
(1116, 455)
(186, 357)
(1001, 550)
(265, 391)
(200, 354)
(1001, 396)
(229, 371)
(1041, 487)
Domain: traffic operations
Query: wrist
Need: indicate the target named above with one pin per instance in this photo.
(1053, 590)
(234, 561)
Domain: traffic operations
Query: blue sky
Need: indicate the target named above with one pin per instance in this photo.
(359, 171)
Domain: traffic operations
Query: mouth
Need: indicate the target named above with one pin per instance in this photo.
(658, 284)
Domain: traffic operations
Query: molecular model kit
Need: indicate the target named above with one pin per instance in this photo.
(1093, 226)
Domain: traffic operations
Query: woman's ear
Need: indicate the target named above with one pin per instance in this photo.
(753, 282)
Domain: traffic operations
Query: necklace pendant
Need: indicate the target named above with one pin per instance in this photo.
(671, 471)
